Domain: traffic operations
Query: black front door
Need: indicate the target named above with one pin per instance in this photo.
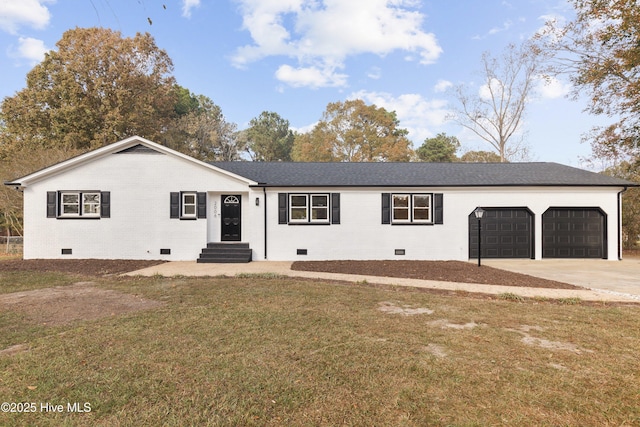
(230, 218)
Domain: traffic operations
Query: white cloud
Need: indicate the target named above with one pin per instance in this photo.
(17, 13)
(552, 27)
(555, 18)
(442, 86)
(505, 26)
(30, 49)
(328, 31)
(492, 90)
(187, 5)
(423, 118)
(374, 73)
(310, 76)
(552, 88)
(495, 30)
(304, 129)
(544, 88)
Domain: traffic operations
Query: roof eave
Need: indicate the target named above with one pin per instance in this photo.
(266, 185)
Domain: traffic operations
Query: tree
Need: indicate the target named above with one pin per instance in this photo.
(204, 133)
(186, 101)
(630, 202)
(20, 162)
(352, 131)
(480, 157)
(442, 148)
(95, 89)
(269, 138)
(600, 52)
(495, 112)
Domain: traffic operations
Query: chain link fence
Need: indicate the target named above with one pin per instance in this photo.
(11, 244)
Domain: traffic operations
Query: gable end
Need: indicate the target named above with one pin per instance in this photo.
(138, 149)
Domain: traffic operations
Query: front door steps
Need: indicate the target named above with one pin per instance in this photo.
(226, 253)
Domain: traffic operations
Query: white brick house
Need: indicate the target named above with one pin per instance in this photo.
(136, 199)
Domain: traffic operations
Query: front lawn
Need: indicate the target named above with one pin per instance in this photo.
(275, 351)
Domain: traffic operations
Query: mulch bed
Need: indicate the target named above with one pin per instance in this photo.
(88, 267)
(447, 271)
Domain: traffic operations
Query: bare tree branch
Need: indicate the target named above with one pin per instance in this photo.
(494, 112)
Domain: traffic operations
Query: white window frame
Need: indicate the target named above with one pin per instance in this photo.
(429, 208)
(324, 208)
(64, 204)
(184, 204)
(91, 207)
(411, 208)
(407, 208)
(84, 208)
(298, 208)
(309, 208)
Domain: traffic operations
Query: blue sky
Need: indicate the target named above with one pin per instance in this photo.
(295, 56)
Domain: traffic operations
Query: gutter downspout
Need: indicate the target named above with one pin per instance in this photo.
(264, 192)
(620, 223)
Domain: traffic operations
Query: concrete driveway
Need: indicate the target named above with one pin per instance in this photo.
(616, 277)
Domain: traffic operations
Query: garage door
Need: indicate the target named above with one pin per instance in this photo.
(573, 233)
(506, 233)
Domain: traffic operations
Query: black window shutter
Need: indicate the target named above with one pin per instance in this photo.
(105, 204)
(386, 208)
(282, 208)
(175, 205)
(438, 211)
(202, 205)
(335, 208)
(52, 208)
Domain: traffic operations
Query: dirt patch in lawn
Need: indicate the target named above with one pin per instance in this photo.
(81, 301)
(391, 308)
(88, 267)
(446, 271)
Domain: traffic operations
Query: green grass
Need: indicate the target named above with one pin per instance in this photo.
(16, 281)
(569, 301)
(509, 296)
(275, 351)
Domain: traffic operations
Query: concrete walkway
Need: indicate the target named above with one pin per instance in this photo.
(191, 268)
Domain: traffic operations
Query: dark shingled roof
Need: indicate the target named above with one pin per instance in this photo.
(299, 174)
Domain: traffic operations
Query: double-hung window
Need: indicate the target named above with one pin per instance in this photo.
(422, 208)
(299, 208)
(309, 208)
(78, 204)
(401, 208)
(319, 208)
(189, 204)
(411, 208)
